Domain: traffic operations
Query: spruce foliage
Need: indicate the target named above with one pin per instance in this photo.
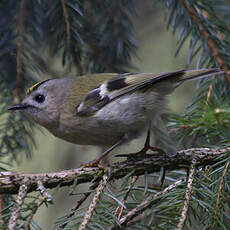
(97, 36)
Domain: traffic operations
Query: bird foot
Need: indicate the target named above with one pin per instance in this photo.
(143, 152)
(91, 164)
(145, 149)
(154, 151)
(96, 162)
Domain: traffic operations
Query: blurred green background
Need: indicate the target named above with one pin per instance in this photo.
(156, 53)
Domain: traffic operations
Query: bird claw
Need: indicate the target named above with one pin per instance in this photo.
(92, 164)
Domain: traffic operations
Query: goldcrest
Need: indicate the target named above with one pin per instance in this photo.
(102, 109)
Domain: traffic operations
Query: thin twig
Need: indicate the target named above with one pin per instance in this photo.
(94, 201)
(45, 197)
(139, 217)
(33, 212)
(43, 192)
(17, 207)
(1, 207)
(208, 95)
(116, 17)
(67, 24)
(187, 196)
(79, 203)
(75, 55)
(21, 16)
(220, 187)
(120, 209)
(147, 203)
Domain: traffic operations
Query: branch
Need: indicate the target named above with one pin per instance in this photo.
(220, 187)
(98, 52)
(147, 203)
(67, 24)
(18, 79)
(120, 209)
(75, 55)
(18, 206)
(209, 40)
(45, 197)
(79, 203)
(188, 194)
(21, 16)
(93, 203)
(137, 165)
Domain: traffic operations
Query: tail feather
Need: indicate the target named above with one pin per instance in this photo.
(199, 74)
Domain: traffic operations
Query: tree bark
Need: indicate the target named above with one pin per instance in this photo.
(134, 164)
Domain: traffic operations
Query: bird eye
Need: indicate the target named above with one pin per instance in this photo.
(39, 98)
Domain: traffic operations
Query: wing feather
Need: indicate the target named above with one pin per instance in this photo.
(121, 84)
(118, 86)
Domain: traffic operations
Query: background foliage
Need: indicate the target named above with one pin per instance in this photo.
(41, 38)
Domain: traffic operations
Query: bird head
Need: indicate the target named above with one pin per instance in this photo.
(42, 102)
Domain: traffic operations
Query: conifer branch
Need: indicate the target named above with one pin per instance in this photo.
(97, 52)
(45, 197)
(75, 55)
(11, 182)
(212, 47)
(97, 36)
(119, 209)
(18, 205)
(94, 201)
(1, 207)
(208, 94)
(66, 16)
(220, 187)
(21, 16)
(147, 203)
(77, 206)
(18, 80)
(188, 193)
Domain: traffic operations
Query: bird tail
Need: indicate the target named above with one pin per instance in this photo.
(199, 74)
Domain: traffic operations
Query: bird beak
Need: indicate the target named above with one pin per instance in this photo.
(19, 107)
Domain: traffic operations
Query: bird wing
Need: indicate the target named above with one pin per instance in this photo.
(117, 86)
(121, 84)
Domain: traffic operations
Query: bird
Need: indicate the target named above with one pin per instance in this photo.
(107, 109)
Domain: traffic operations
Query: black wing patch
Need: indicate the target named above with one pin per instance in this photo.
(117, 82)
(92, 103)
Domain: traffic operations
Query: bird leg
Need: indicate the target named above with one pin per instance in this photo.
(96, 162)
(143, 152)
(147, 145)
(155, 149)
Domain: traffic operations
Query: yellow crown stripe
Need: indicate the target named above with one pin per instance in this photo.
(35, 86)
(28, 91)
